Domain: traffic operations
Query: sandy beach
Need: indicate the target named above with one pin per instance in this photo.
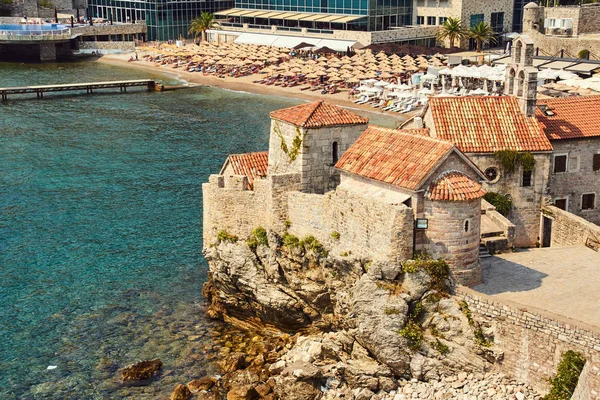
(245, 84)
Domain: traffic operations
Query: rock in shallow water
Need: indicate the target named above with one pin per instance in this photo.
(181, 392)
(141, 370)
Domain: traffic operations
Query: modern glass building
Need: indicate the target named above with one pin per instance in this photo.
(518, 8)
(166, 19)
(365, 15)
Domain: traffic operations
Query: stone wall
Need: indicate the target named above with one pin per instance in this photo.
(116, 29)
(533, 340)
(527, 201)
(367, 227)
(283, 133)
(580, 177)
(125, 46)
(32, 9)
(569, 229)
(227, 205)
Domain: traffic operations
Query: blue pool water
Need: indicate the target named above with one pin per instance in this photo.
(101, 229)
(27, 28)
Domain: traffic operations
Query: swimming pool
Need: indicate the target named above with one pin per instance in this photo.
(30, 28)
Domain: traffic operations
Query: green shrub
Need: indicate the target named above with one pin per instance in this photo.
(344, 254)
(335, 235)
(416, 311)
(502, 203)
(563, 384)
(391, 311)
(311, 243)
(440, 347)
(290, 241)
(511, 159)
(480, 338)
(438, 270)
(436, 332)
(258, 237)
(583, 54)
(413, 334)
(287, 223)
(46, 4)
(223, 236)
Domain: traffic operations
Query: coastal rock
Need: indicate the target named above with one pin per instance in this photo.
(141, 370)
(245, 392)
(204, 383)
(181, 392)
(364, 308)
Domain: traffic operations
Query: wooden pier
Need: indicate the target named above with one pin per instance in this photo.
(88, 87)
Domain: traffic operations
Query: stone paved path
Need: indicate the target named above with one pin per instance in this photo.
(564, 281)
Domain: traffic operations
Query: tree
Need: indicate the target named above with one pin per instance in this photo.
(482, 33)
(452, 29)
(203, 23)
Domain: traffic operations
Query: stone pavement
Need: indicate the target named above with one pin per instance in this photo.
(562, 280)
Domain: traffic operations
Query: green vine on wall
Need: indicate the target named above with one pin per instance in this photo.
(511, 159)
(292, 152)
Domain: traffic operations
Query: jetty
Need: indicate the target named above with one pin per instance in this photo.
(78, 87)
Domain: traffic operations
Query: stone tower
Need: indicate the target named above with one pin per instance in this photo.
(531, 17)
(521, 75)
(309, 139)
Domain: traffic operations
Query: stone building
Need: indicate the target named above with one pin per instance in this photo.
(573, 127)
(358, 189)
(563, 29)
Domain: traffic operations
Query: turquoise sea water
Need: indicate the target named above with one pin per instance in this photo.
(101, 229)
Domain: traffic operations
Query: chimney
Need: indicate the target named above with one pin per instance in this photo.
(418, 123)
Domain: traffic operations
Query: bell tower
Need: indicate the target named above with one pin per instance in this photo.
(521, 75)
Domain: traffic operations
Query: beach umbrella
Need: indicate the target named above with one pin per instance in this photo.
(289, 73)
(312, 75)
(352, 80)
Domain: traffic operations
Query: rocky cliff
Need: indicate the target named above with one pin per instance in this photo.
(357, 323)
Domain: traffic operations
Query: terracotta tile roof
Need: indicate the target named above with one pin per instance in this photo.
(486, 124)
(574, 117)
(252, 165)
(318, 114)
(454, 186)
(400, 158)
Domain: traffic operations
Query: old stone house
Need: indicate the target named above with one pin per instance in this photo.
(361, 190)
(573, 126)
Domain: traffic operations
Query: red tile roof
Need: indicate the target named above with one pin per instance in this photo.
(486, 124)
(252, 165)
(574, 117)
(454, 186)
(318, 114)
(400, 158)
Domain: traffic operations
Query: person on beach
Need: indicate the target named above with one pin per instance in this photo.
(136, 56)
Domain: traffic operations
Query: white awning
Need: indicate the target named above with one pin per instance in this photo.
(337, 45)
(256, 38)
(291, 41)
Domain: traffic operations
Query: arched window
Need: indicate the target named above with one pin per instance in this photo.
(511, 81)
(520, 83)
(335, 152)
(467, 226)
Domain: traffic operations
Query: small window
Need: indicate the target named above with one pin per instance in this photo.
(560, 163)
(527, 175)
(561, 203)
(588, 201)
(441, 20)
(467, 226)
(420, 20)
(596, 162)
(430, 20)
(335, 152)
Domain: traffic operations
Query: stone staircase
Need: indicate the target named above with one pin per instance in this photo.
(493, 233)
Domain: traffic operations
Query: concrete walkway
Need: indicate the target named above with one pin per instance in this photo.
(565, 281)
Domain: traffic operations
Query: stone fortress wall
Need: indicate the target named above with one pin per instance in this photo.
(366, 226)
(533, 341)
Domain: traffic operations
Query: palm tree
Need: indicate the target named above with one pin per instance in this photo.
(452, 29)
(482, 33)
(203, 23)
